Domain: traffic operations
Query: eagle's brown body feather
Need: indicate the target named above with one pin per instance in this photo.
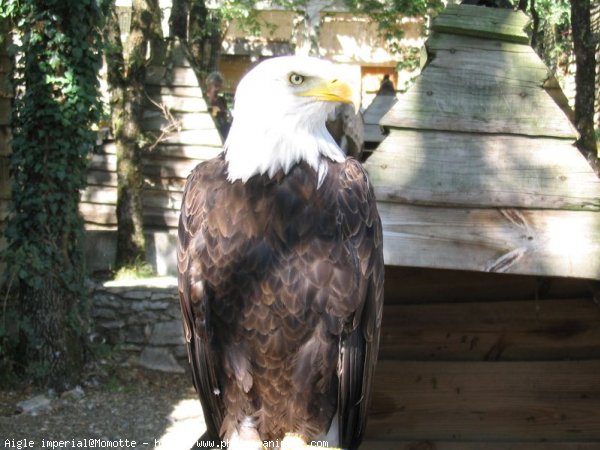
(281, 288)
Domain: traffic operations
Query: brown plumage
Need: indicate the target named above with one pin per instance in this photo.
(281, 289)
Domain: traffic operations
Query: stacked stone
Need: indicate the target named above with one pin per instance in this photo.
(141, 319)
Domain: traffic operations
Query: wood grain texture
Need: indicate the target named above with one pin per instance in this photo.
(491, 23)
(482, 170)
(525, 330)
(474, 85)
(417, 286)
(533, 242)
(486, 401)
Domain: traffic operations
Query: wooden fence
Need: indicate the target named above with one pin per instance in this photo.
(182, 134)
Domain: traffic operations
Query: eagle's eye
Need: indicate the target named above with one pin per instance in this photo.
(296, 79)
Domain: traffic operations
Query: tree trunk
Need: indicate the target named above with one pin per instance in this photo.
(204, 40)
(57, 82)
(126, 76)
(585, 76)
(178, 22)
(52, 350)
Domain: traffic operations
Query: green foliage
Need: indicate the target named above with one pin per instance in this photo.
(555, 27)
(56, 102)
(139, 269)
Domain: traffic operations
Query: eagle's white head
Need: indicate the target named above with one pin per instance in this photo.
(280, 111)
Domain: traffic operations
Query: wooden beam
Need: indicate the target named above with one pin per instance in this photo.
(486, 401)
(416, 286)
(489, 23)
(531, 242)
(482, 170)
(550, 330)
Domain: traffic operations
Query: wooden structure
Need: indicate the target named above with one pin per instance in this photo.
(491, 217)
(181, 133)
(380, 105)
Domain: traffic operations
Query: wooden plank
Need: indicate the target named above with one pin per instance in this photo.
(156, 163)
(161, 218)
(530, 242)
(416, 286)
(176, 76)
(477, 85)
(456, 44)
(105, 215)
(174, 91)
(178, 121)
(468, 58)
(169, 182)
(162, 199)
(207, 137)
(479, 170)
(103, 162)
(99, 194)
(101, 178)
(545, 330)
(427, 444)
(486, 401)
(197, 152)
(441, 100)
(490, 23)
(174, 103)
(151, 197)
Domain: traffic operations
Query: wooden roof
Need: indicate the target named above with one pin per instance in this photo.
(479, 170)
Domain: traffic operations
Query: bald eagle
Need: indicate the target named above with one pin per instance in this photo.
(281, 268)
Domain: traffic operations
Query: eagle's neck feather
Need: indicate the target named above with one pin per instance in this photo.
(257, 146)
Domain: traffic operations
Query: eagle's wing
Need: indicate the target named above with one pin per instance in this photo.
(194, 300)
(360, 342)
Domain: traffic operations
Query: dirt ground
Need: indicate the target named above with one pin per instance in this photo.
(115, 407)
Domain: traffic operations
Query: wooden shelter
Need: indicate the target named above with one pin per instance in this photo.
(180, 133)
(491, 217)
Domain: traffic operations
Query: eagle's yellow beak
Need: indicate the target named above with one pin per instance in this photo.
(330, 91)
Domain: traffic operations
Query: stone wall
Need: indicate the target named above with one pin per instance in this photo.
(141, 319)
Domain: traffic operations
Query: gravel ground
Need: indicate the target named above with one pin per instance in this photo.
(114, 407)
